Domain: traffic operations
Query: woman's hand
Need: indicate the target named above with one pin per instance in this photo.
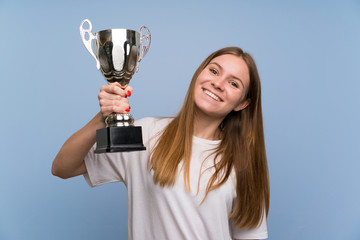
(113, 99)
(69, 162)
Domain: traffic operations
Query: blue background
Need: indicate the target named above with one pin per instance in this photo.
(308, 57)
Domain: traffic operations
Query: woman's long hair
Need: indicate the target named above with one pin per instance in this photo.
(242, 149)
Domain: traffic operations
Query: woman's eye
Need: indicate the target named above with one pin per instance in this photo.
(234, 84)
(213, 71)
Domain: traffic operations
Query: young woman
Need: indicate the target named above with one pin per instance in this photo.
(204, 174)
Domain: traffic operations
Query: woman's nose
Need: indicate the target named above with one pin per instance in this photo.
(218, 83)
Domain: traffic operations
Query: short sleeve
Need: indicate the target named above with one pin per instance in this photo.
(104, 168)
(243, 233)
(117, 167)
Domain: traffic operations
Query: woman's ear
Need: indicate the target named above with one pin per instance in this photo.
(242, 105)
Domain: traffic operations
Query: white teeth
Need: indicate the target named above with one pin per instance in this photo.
(212, 95)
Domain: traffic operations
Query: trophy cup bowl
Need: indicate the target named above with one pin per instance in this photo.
(117, 55)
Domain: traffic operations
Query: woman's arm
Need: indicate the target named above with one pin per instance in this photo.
(69, 162)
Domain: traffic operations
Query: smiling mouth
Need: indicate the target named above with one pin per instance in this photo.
(212, 95)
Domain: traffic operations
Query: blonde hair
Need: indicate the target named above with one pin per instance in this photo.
(242, 149)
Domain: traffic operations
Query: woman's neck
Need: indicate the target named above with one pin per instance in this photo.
(207, 127)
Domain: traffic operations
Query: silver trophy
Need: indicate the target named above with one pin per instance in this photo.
(117, 54)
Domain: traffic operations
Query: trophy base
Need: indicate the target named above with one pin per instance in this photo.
(119, 139)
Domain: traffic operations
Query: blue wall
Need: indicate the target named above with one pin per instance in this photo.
(308, 56)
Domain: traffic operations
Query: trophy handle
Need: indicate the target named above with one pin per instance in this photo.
(147, 37)
(87, 43)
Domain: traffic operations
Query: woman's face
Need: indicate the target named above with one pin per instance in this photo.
(222, 86)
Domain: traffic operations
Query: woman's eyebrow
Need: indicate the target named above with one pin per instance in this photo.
(234, 77)
(216, 64)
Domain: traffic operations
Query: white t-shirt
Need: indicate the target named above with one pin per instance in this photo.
(170, 212)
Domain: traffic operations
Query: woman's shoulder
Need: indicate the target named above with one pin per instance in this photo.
(153, 121)
(151, 126)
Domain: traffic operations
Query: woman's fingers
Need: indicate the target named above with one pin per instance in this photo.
(107, 95)
(112, 99)
(109, 107)
(128, 91)
(107, 110)
(113, 89)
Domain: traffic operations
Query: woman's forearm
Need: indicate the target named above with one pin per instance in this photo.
(69, 161)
